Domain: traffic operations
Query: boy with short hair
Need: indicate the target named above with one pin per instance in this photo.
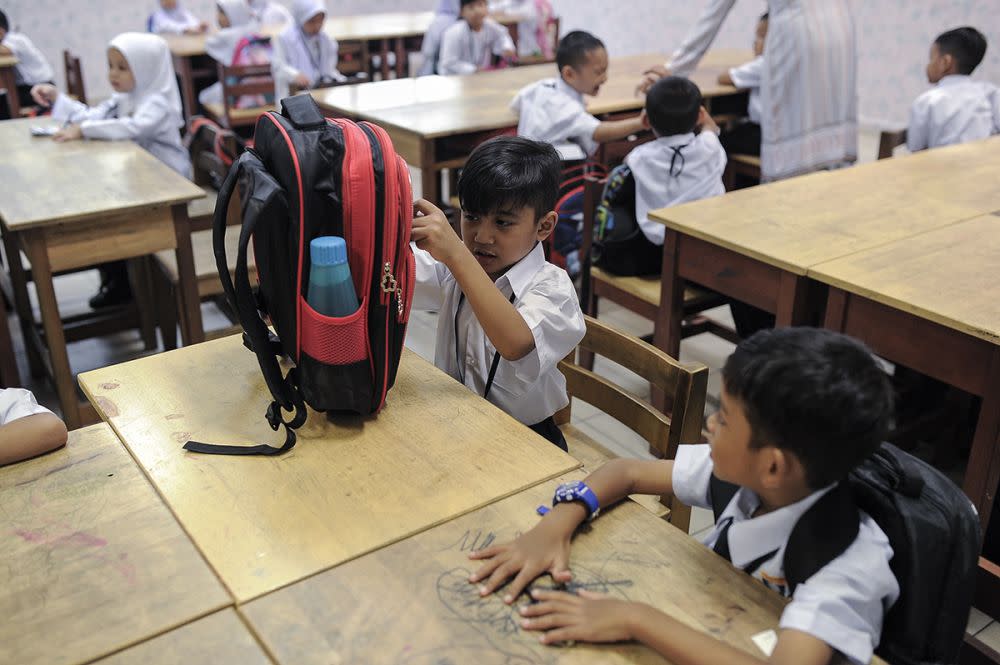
(744, 137)
(32, 68)
(800, 408)
(553, 110)
(472, 42)
(957, 109)
(506, 315)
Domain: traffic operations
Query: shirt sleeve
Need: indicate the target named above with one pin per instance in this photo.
(500, 38)
(644, 197)
(687, 57)
(748, 75)
(18, 403)
(163, 24)
(567, 122)
(451, 54)
(692, 473)
(70, 110)
(918, 130)
(333, 49)
(428, 292)
(844, 603)
(281, 69)
(145, 122)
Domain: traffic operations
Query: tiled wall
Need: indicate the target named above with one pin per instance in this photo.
(893, 35)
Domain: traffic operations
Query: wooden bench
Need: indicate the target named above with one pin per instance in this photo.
(685, 385)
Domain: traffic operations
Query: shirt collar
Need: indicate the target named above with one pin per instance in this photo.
(954, 79)
(520, 274)
(750, 539)
(676, 140)
(569, 90)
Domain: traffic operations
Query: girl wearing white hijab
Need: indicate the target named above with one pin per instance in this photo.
(303, 54)
(173, 19)
(444, 16)
(268, 12)
(236, 21)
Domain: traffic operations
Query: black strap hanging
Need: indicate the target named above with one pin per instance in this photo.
(458, 352)
(676, 171)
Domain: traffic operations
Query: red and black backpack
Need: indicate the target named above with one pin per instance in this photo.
(310, 176)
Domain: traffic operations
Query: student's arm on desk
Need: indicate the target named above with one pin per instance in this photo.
(501, 321)
(612, 130)
(5, 50)
(30, 436)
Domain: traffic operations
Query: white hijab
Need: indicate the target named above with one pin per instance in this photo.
(303, 10)
(237, 11)
(148, 57)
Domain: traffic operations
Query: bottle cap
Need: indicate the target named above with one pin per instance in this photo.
(328, 250)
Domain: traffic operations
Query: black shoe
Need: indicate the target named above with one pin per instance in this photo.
(115, 292)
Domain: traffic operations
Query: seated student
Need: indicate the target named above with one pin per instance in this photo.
(506, 315)
(532, 25)
(744, 138)
(684, 163)
(552, 110)
(304, 55)
(26, 429)
(474, 42)
(445, 14)
(32, 68)
(957, 109)
(269, 12)
(173, 19)
(236, 22)
(145, 107)
(800, 408)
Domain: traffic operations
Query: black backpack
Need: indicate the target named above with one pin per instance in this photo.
(310, 176)
(935, 536)
(620, 247)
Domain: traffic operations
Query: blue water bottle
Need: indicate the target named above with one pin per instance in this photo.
(331, 289)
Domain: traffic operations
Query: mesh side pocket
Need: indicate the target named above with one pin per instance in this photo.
(335, 340)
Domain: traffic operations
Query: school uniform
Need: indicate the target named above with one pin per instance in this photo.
(174, 21)
(531, 389)
(16, 403)
(527, 14)
(551, 110)
(810, 55)
(956, 110)
(672, 170)
(151, 114)
(843, 604)
(465, 51)
(32, 68)
(268, 12)
(445, 15)
(744, 138)
(296, 53)
(221, 45)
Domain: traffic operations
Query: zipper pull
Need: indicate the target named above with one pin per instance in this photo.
(399, 301)
(388, 280)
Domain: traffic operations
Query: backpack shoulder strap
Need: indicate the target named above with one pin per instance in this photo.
(822, 534)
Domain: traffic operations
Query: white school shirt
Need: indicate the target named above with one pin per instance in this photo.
(269, 12)
(748, 77)
(295, 53)
(530, 389)
(956, 110)
(32, 67)
(551, 110)
(698, 167)
(172, 22)
(808, 90)
(18, 403)
(843, 604)
(464, 51)
(526, 13)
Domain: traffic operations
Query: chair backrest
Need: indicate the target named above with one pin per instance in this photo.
(241, 82)
(74, 77)
(888, 141)
(353, 58)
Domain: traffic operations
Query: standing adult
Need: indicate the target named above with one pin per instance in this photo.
(809, 101)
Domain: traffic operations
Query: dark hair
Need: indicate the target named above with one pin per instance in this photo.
(813, 392)
(574, 47)
(466, 2)
(4, 25)
(510, 172)
(766, 16)
(672, 105)
(966, 45)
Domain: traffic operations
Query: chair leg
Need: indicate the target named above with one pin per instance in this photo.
(142, 289)
(587, 357)
(166, 308)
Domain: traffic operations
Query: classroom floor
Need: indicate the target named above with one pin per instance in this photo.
(74, 291)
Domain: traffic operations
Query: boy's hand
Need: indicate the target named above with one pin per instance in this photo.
(705, 121)
(302, 81)
(433, 233)
(651, 76)
(588, 617)
(70, 133)
(540, 550)
(44, 94)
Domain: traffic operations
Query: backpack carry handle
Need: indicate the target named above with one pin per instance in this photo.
(302, 111)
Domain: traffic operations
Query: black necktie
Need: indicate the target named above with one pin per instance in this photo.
(722, 542)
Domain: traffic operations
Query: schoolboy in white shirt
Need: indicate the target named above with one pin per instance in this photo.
(506, 315)
(32, 68)
(472, 42)
(744, 137)
(957, 109)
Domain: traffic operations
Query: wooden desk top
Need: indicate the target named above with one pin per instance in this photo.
(801, 222)
(947, 276)
(8, 60)
(45, 182)
(220, 639)
(411, 602)
(436, 451)
(92, 559)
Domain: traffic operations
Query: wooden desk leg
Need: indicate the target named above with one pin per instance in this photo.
(192, 329)
(667, 325)
(383, 51)
(182, 66)
(402, 59)
(793, 300)
(430, 177)
(19, 282)
(55, 338)
(9, 376)
(983, 472)
(9, 81)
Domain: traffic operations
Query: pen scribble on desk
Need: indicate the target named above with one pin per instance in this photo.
(473, 539)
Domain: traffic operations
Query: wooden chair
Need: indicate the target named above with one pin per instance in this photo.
(684, 384)
(889, 141)
(639, 294)
(353, 58)
(74, 77)
(237, 81)
(738, 164)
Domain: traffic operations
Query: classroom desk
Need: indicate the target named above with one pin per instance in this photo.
(757, 244)
(434, 124)
(92, 560)
(437, 450)
(411, 602)
(78, 204)
(8, 80)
